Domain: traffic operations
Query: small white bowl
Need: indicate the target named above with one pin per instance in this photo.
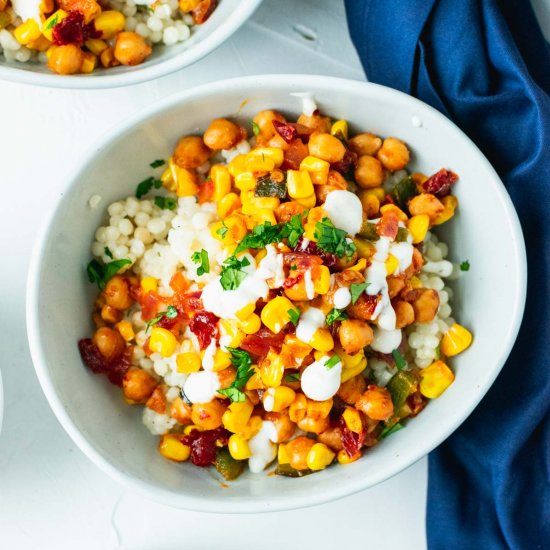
(1, 403)
(224, 21)
(489, 299)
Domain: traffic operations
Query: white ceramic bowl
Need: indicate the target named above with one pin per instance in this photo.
(485, 231)
(1, 403)
(224, 21)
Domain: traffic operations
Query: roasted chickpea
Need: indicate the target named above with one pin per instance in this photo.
(354, 334)
(332, 437)
(208, 416)
(138, 385)
(376, 403)
(351, 390)
(404, 314)
(181, 411)
(393, 154)
(109, 343)
(286, 210)
(222, 134)
(369, 172)
(297, 450)
(426, 203)
(117, 293)
(425, 306)
(365, 144)
(335, 182)
(315, 122)
(157, 401)
(283, 425)
(191, 152)
(326, 147)
(264, 120)
(110, 315)
(226, 377)
(314, 425)
(131, 48)
(395, 286)
(66, 59)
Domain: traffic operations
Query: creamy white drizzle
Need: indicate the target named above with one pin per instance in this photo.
(403, 252)
(443, 268)
(310, 290)
(319, 382)
(342, 298)
(208, 357)
(310, 321)
(202, 386)
(27, 9)
(262, 447)
(271, 267)
(269, 399)
(344, 210)
(384, 341)
(308, 103)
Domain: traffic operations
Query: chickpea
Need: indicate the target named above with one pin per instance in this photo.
(316, 122)
(181, 411)
(326, 147)
(332, 437)
(110, 315)
(369, 172)
(314, 425)
(426, 203)
(107, 58)
(376, 403)
(393, 154)
(365, 144)
(66, 59)
(297, 450)
(286, 210)
(222, 134)
(276, 141)
(354, 334)
(131, 48)
(117, 293)
(335, 182)
(283, 425)
(351, 390)
(363, 308)
(191, 152)
(425, 306)
(208, 416)
(157, 401)
(227, 377)
(109, 343)
(264, 120)
(395, 286)
(138, 385)
(404, 314)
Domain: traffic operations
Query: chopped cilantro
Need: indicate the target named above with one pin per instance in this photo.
(157, 163)
(222, 230)
(465, 266)
(294, 229)
(438, 353)
(289, 378)
(388, 430)
(167, 203)
(201, 258)
(334, 360)
(356, 289)
(336, 315)
(101, 273)
(232, 274)
(294, 315)
(255, 129)
(400, 361)
(293, 267)
(261, 236)
(108, 252)
(332, 239)
(146, 185)
(242, 361)
(171, 313)
(53, 22)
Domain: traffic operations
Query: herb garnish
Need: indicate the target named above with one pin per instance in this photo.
(222, 230)
(202, 259)
(108, 252)
(294, 315)
(232, 274)
(294, 229)
(53, 22)
(146, 185)
(356, 289)
(400, 361)
(388, 430)
(261, 236)
(167, 203)
(242, 361)
(336, 315)
(171, 313)
(438, 353)
(157, 163)
(101, 273)
(465, 266)
(295, 377)
(332, 239)
(255, 128)
(334, 360)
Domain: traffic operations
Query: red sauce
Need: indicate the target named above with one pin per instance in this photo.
(204, 326)
(96, 362)
(72, 30)
(203, 445)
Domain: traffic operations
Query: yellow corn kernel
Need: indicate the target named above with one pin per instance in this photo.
(41, 44)
(51, 22)
(125, 329)
(319, 409)
(274, 154)
(352, 418)
(162, 341)
(262, 216)
(245, 181)
(256, 204)
(282, 454)
(322, 340)
(236, 229)
(50, 50)
(360, 266)
(299, 184)
(255, 381)
(246, 311)
(435, 379)
(278, 399)
(415, 282)
(450, 202)
(188, 362)
(89, 63)
(230, 327)
(315, 215)
(371, 205)
(318, 169)
(186, 182)
(319, 457)
(309, 201)
(418, 227)
(395, 209)
(109, 23)
(377, 192)
(96, 45)
(27, 32)
(455, 340)
(188, 429)
(343, 458)
(237, 415)
(46, 6)
(222, 360)
(259, 163)
(275, 314)
(237, 165)
(272, 370)
(238, 447)
(298, 408)
(340, 129)
(149, 284)
(252, 427)
(392, 263)
(222, 181)
(251, 325)
(349, 373)
(321, 283)
(228, 204)
(172, 448)
(188, 5)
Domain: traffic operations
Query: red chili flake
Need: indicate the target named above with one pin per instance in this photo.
(347, 164)
(294, 155)
(439, 184)
(260, 343)
(204, 326)
(285, 130)
(115, 370)
(203, 445)
(388, 225)
(351, 441)
(313, 250)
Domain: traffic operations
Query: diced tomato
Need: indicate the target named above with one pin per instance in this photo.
(96, 362)
(204, 325)
(351, 441)
(204, 444)
(388, 225)
(286, 131)
(312, 250)
(151, 303)
(206, 190)
(439, 184)
(189, 302)
(178, 282)
(259, 344)
(294, 155)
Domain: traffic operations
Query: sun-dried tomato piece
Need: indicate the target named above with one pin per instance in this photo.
(206, 190)
(347, 164)
(151, 304)
(351, 441)
(189, 302)
(388, 225)
(72, 30)
(311, 249)
(303, 131)
(294, 155)
(364, 307)
(259, 344)
(96, 362)
(291, 281)
(439, 184)
(285, 130)
(203, 10)
(204, 325)
(204, 444)
(416, 402)
(175, 323)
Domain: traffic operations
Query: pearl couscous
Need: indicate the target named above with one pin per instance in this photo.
(277, 297)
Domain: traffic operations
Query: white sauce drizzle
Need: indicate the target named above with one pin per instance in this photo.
(344, 210)
(443, 268)
(308, 103)
(209, 353)
(269, 399)
(385, 341)
(310, 321)
(319, 382)
(262, 447)
(271, 267)
(310, 290)
(403, 252)
(202, 386)
(342, 298)
(27, 9)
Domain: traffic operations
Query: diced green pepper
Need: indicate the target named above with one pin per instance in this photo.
(288, 471)
(402, 235)
(5, 19)
(404, 191)
(365, 249)
(266, 187)
(368, 231)
(227, 466)
(403, 384)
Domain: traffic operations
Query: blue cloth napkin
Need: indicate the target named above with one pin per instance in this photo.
(485, 64)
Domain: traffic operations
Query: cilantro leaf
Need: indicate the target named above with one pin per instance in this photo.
(255, 128)
(388, 430)
(234, 394)
(101, 273)
(356, 289)
(334, 360)
(465, 266)
(222, 230)
(294, 377)
(232, 275)
(157, 163)
(146, 185)
(400, 361)
(261, 236)
(336, 315)
(108, 252)
(294, 315)
(201, 258)
(167, 203)
(171, 313)
(294, 229)
(332, 239)
(242, 361)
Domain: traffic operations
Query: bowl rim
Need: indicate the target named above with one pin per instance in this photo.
(343, 487)
(243, 11)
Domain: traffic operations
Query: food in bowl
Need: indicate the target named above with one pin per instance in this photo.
(78, 36)
(277, 297)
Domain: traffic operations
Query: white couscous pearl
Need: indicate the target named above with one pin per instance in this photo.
(8, 41)
(156, 37)
(93, 201)
(156, 226)
(188, 19)
(115, 209)
(130, 24)
(445, 311)
(443, 297)
(100, 235)
(120, 252)
(112, 234)
(129, 11)
(132, 206)
(143, 30)
(141, 219)
(154, 23)
(163, 11)
(184, 32)
(200, 220)
(137, 247)
(414, 340)
(431, 342)
(23, 55)
(98, 249)
(147, 206)
(125, 227)
(143, 234)
(115, 220)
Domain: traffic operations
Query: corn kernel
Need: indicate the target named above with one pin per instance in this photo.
(344, 458)
(109, 23)
(107, 57)
(89, 62)
(230, 327)
(51, 22)
(222, 181)
(282, 454)
(96, 45)
(340, 129)
(274, 154)
(222, 360)
(263, 215)
(298, 408)
(188, 362)
(318, 169)
(252, 427)
(299, 184)
(188, 5)
(238, 447)
(237, 165)
(125, 329)
(275, 313)
(46, 6)
(315, 215)
(352, 418)
(455, 340)
(278, 399)
(272, 370)
(348, 374)
(321, 282)
(245, 181)
(392, 263)
(350, 361)
(418, 227)
(322, 340)
(172, 448)
(450, 202)
(149, 284)
(246, 311)
(27, 32)
(309, 201)
(257, 163)
(236, 229)
(110, 314)
(237, 416)
(396, 210)
(319, 457)
(371, 205)
(251, 325)
(435, 379)
(228, 204)
(41, 44)
(377, 192)
(360, 266)
(415, 282)
(162, 341)
(185, 182)
(419, 179)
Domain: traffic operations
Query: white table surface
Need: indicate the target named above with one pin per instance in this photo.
(51, 495)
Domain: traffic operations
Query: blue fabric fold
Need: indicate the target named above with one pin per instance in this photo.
(485, 64)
